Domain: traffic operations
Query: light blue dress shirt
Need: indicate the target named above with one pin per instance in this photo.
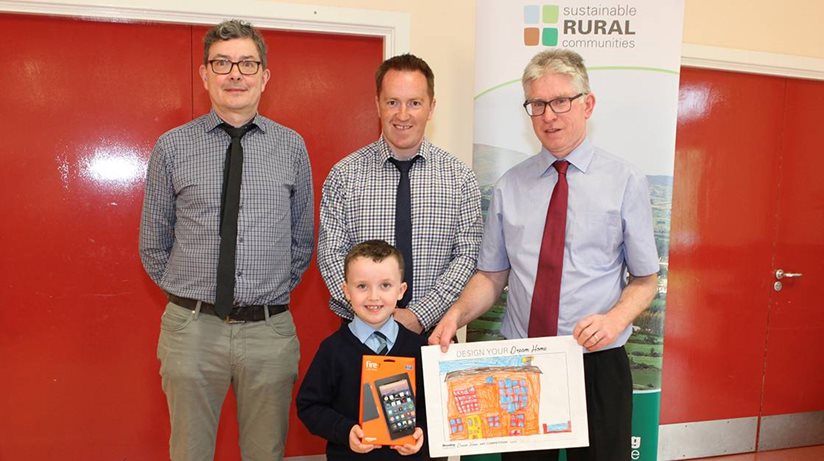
(363, 332)
(609, 228)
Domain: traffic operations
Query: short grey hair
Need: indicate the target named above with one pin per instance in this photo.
(234, 28)
(557, 61)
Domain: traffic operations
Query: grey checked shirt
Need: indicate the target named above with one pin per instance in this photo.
(358, 203)
(179, 229)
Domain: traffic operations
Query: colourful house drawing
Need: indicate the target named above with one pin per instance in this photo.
(490, 402)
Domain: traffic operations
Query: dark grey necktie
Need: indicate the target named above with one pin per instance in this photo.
(230, 206)
(403, 224)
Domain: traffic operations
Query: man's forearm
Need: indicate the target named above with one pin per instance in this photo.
(479, 295)
(635, 298)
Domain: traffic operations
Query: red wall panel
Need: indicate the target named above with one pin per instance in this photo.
(83, 106)
(82, 103)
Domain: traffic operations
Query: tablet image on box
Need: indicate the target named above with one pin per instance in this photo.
(398, 403)
(387, 409)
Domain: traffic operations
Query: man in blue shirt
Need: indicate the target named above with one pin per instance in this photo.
(608, 231)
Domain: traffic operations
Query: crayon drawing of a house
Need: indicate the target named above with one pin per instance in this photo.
(497, 401)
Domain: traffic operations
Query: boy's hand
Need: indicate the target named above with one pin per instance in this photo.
(356, 441)
(409, 449)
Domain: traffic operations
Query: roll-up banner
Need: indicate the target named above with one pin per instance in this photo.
(632, 50)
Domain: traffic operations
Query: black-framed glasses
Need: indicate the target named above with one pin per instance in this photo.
(537, 107)
(224, 66)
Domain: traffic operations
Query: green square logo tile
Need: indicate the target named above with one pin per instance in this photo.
(550, 15)
(549, 36)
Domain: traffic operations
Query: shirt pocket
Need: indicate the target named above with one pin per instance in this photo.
(595, 238)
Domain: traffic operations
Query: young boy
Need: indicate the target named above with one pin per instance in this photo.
(329, 397)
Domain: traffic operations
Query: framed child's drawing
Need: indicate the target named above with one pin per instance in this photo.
(502, 396)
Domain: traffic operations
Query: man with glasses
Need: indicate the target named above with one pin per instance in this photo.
(562, 229)
(437, 226)
(227, 231)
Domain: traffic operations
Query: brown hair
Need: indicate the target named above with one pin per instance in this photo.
(376, 250)
(234, 28)
(407, 62)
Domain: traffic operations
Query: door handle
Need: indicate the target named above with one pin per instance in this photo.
(780, 274)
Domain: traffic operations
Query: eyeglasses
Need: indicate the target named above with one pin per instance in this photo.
(537, 107)
(224, 66)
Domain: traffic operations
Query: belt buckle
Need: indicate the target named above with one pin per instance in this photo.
(229, 320)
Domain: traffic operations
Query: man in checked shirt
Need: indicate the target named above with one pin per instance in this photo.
(359, 200)
(227, 250)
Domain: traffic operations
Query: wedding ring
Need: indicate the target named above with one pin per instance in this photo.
(596, 337)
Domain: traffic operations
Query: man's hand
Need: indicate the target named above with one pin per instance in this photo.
(408, 319)
(445, 330)
(356, 443)
(597, 331)
(409, 449)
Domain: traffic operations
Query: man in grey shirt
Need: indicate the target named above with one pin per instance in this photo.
(226, 233)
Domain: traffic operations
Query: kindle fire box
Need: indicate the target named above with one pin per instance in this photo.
(387, 402)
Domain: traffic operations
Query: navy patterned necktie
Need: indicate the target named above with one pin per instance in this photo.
(383, 348)
(403, 224)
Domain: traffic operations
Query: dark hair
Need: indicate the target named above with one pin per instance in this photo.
(408, 62)
(234, 28)
(376, 250)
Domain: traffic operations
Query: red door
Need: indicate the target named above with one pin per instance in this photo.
(740, 361)
(793, 397)
(83, 104)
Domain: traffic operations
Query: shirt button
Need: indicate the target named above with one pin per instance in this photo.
(240, 273)
(240, 239)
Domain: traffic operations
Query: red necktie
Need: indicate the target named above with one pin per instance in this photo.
(543, 318)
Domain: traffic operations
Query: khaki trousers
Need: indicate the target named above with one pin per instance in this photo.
(201, 356)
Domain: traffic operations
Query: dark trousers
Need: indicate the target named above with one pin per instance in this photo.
(609, 410)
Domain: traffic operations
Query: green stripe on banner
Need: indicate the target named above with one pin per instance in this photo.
(492, 457)
(646, 409)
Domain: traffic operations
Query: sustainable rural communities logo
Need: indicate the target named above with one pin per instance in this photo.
(580, 26)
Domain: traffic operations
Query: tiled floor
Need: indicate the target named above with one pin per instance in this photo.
(814, 453)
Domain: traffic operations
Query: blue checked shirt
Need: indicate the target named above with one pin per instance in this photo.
(358, 203)
(179, 229)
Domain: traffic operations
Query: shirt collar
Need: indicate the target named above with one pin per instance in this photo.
(580, 157)
(362, 331)
(213, 121)
(386, 151)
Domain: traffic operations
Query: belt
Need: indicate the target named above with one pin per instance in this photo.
(238, 314)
